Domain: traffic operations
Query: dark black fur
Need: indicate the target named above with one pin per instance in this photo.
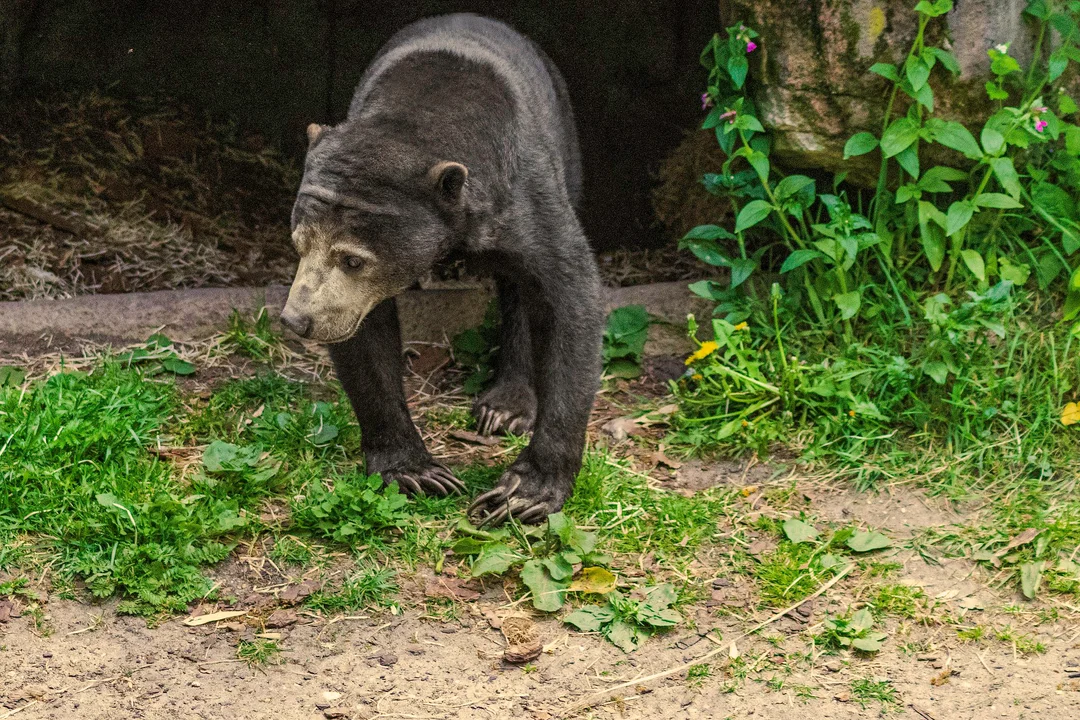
(469, 90)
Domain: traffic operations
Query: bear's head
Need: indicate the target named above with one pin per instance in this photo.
(372, 215)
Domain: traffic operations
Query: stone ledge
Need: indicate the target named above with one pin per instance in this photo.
(427, 316)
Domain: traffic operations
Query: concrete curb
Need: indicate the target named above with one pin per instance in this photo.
(427, 316)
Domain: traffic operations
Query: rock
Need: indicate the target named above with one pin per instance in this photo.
(336, 712)
(810, 75)
(281, 618)
(414, 649)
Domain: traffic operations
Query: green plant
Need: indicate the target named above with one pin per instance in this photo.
(545, 558)
(855, 632)
(158, 356)
(868, 691)
(352, 510)
(364, 589)
(254, 338)
(475, 350)
(624, 341)
(628, 622)
(258, 652)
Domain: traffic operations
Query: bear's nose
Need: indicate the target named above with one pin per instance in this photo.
(299, 324)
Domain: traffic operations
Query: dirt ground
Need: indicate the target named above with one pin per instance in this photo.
(95, 664)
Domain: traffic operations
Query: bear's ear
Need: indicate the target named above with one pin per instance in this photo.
(449, 180)
(314, 130)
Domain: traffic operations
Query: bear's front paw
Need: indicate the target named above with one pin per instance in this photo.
(521, 493)
(430, 479)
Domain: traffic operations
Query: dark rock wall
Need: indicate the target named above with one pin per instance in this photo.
(276, 65)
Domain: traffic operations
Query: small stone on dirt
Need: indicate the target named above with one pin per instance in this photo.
(414, 649)
(522, 640)
(336, 712)
(281, 618)
(387, 659)
(6, 608)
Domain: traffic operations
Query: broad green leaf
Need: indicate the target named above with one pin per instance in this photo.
(868, 541)
(917, 72)
(799, 532)
(158, 341)
(1066, 105)
(325, 433)
(1072, 139)
(798, 258)
(753, 213)
(1058, 63)
(790, 186)
(996, 200)
(959, 215)
(496, 559)
(760, 162)
(867, 644)
(994, 92)
(975, 263)
(937, 370)
(1017, 274)
(886, 71)
(848, 303)
(953, 135)
(661, 596)
(859, 144)
(593, 580)
(936, 178)
(108, 500)
(1031, 578)
(862, 620)
(737, 67)
(930, 230)
(590, 618)
(909, 160)
(708, 232)
(11, 376)
(559, 567)
(899, 136)
(741, 269)
(993, 142)
(467, 546)
(547, 593)
(946, 58)
(1006, 175)
(623, 635)
(622, 368)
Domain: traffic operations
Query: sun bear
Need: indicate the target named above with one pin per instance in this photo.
(459, 138)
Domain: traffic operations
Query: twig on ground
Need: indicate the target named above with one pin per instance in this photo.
(604, 695)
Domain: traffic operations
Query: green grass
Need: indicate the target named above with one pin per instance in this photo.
(868, 692)
(258, 652)
(366, 588)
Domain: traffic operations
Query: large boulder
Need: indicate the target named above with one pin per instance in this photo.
(811, 73)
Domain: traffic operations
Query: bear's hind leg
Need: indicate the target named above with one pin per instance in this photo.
(509, 405)
(370, 368)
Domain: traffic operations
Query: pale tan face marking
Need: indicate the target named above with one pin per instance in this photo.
(335, 298)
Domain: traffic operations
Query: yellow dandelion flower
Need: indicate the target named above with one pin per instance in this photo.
(742, 326)
(697, 376)
(706, 349)
(1070, 415)
(851, 413)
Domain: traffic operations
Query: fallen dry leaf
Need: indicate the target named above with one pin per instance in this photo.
(623, 427)
(213, 617)
(475, 438)
(451, 588)
(1022, 539)
(281, 618)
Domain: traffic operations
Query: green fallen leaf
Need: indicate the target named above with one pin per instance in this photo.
(799, 532)
(868, 541)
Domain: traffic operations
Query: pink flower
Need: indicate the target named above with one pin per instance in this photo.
(729, 116)
(706, 101)
(1040, 125)
(751, 46)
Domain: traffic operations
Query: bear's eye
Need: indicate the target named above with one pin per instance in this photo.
(353, 262)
